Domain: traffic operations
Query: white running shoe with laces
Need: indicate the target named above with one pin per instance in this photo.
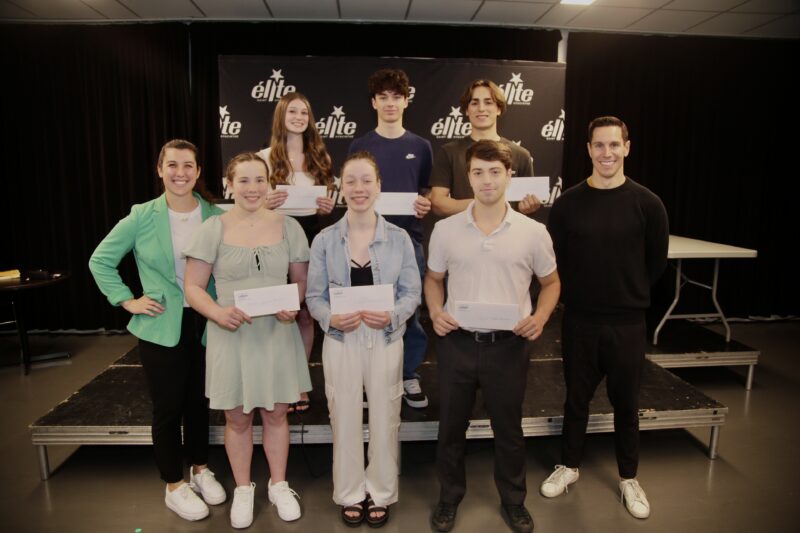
(186, 503)
(559, 481)
(207, 486)
(285, 499)
(242, 506)
(632, 494)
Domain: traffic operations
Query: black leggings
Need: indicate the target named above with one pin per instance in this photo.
(176, 379)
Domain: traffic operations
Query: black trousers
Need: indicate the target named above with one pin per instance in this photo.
(592, 350)
(176, 380)
(500, 369)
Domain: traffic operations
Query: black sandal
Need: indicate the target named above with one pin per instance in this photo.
(353, 521)
(372, 508)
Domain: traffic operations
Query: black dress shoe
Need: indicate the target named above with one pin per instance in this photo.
(518, 518)
(444, 517)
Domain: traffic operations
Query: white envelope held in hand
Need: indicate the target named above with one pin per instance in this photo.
(396, 203)
(478, 315)
(302, 196)
(365, 298)
(538, 186)
(268, 300)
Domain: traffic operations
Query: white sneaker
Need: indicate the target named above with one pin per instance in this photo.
(208, 487)
(242, 506)
(559, 481)
(413, 395)
(285, 499)
(185, 503)
(634, 497)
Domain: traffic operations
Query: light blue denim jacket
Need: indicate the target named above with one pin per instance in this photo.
(391, 256)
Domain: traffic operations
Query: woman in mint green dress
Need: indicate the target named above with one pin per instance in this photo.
(251, 362)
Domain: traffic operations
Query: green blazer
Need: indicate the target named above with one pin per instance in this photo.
(146, 231)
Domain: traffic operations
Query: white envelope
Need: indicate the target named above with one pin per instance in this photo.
(302, 196)
(396, 203)
(479, 315)
(538, 186)
(268, 300)
(363, 298)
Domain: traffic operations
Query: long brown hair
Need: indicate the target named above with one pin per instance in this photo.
(181, 144)
(318, 162)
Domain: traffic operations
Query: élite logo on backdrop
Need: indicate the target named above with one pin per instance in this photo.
(228, 129)
(515, 92)
(336, 126)
(554, 129)
(452, 126)
(272, 89)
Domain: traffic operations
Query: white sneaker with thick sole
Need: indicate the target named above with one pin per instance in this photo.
(242, 506)
(559, 481)
(413, 395)
(285, 499)
(186, 503)
(632, 494)
(207, 486)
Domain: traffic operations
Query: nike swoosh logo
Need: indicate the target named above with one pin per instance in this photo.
(410, 156)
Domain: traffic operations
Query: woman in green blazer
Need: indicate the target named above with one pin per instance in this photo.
(170, 332)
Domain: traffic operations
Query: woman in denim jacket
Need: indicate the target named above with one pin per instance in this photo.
(363, 350)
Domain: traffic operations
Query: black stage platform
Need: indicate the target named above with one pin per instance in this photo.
(114, 408)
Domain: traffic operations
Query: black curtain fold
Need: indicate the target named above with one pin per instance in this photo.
(713, 133)
(86, 110)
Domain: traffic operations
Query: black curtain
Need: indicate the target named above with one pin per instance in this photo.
(85, 110)
(329, 39)
(713, 125)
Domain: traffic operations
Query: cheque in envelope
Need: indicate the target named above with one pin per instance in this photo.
(539, 186)
(302, 196)
(479, 315)
(364, 298)
(268, 300)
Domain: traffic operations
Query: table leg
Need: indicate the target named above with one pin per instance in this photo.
(749, 383)
(716, 303)
(22, 332)
(678, 285)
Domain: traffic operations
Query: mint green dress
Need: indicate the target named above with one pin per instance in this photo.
(262, 363)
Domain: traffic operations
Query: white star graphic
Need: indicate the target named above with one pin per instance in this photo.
(456, 112)
(516, 78)
(223, 111)
(518, 143)
(276, 75)
(337, 111)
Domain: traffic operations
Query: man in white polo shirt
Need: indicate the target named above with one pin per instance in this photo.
(490, 254)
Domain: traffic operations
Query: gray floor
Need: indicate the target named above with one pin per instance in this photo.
(750, 487)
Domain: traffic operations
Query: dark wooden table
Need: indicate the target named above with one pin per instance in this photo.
(17, 290)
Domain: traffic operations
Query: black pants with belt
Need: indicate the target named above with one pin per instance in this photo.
(500, 369)
(595, 348)
(176, 380)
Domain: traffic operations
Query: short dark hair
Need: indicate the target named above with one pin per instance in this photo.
(602, 122)
(388, 79)
(497, 95)
(487, 150)
(366, 156)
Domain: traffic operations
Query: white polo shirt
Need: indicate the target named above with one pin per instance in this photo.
(495, 268)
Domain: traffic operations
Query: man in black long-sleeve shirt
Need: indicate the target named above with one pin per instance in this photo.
(610, 236)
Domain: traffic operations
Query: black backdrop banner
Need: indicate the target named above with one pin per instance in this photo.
(250, 86)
